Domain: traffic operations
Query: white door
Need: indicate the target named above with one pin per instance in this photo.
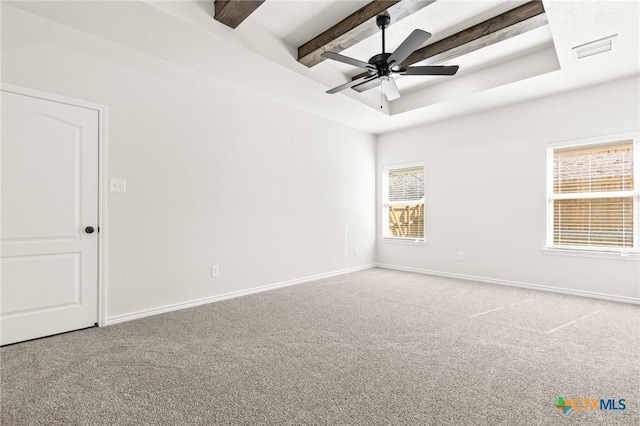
(49, 199)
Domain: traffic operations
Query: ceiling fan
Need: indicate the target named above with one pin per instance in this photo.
(383, 65)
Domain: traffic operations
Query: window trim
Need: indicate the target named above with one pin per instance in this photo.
(385, 203)
(635, 193)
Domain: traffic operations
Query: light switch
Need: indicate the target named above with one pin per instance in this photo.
(117, 185)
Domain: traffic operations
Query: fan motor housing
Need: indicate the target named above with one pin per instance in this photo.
(380, 62)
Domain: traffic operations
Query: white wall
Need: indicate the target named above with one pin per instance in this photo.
(485, 180)
(215, 174)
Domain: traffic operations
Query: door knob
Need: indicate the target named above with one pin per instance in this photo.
(89, 230)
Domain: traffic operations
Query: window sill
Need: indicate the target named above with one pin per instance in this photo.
(599, 254)
(404, 241)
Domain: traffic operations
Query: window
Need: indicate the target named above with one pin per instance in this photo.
(593, 196)
(403, 202)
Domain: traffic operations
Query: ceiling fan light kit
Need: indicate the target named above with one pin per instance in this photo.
(383, 65)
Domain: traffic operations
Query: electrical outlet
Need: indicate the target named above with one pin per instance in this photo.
(215, 270)
(460, 255)
(117, 185)
(355, 251)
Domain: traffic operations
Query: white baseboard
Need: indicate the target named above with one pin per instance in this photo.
(552, 289)
(189, 304)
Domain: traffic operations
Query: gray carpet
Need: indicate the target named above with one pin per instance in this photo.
(369, 348)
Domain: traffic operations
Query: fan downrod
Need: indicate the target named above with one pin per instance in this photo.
(380, 60)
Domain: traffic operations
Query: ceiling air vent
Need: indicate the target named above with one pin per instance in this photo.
(595, 47)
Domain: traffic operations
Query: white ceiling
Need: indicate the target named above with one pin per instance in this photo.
(260, 55)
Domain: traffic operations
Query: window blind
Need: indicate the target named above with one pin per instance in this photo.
(593, 196)
(406, 184)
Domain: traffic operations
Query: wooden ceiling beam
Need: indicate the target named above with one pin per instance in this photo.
(233, 12)
(355, 28)
(502, 27)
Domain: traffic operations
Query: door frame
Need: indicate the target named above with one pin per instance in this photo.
(102, 179)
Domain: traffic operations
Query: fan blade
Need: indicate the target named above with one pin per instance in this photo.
(347, 60)
(430, 70)
(390, 89)
(351, 84)
(408, 46)
(367, 85)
